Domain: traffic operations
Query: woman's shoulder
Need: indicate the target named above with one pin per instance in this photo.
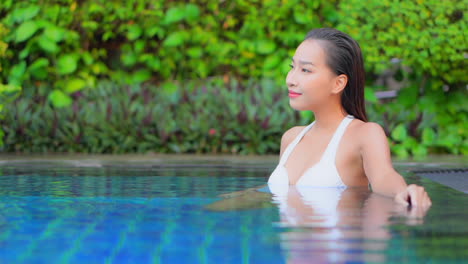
(290, 135)
(368, 128)
(368, 132)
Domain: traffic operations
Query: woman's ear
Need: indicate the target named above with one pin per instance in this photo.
(340, 83)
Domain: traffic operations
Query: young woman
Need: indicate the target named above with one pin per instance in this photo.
(340, 148)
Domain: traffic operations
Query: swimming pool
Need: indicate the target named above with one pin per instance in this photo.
(173, 213)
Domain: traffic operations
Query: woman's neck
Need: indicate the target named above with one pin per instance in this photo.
(328, 118)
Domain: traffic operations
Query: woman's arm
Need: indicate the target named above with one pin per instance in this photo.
(378, 167)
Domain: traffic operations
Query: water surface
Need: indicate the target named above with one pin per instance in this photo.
(177, 214)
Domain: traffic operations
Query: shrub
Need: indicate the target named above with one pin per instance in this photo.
(423, 41)
(210, 116)
(56, 49)
(426, 36)
(8, 92)
(213, 116)
(70, 44)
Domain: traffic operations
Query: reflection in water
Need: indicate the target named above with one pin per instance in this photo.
(336, 224)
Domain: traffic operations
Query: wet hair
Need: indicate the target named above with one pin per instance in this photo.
(344, 56)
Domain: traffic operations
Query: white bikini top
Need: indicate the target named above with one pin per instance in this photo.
(322, 174)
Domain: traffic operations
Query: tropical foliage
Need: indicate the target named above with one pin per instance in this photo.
(423, 45)
(8, 91)
(144, 54)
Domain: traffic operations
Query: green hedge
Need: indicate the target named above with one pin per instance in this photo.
(198, 118)
(210, 116)
(427, 36)
(424, 45)
(62, 52)
(70, 44)
(8, 92)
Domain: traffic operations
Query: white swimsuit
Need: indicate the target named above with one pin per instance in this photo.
(322, 174)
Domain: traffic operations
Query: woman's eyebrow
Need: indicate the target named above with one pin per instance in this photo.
(303, 62)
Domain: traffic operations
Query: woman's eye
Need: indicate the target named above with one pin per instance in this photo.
(291, 66)
(305, 70)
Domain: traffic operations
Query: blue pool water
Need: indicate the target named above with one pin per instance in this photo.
(174, 214)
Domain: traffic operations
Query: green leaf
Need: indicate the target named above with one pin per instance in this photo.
(16, 73)
(67, 64)
(39, 63)
(151, 31)
(419, 151)
(408, 95)
(141, 76)
(265, 46)
(192, 12)
(54, 33)
(59, 99)
(307, 115)
(399, 133)
(129, 58)
(96, 8)
(25, 52)
(39, 68)
(195, 52)
(174, 14)
(134, 32)
(400, 151)
(331, 14)
(271, 62)
(301, 17)
(202, 69)
(9, 88)
(428, 136)
(154, 63)
(139, 46)
(26, 30)
(90, 26)
(87, 58)
(174, 39)
(25, 13)
(369, 95)
(74, 85)
(48, 45)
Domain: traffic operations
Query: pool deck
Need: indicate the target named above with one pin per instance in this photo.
(451, 171)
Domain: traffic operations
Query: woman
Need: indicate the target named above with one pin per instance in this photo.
(340, 148)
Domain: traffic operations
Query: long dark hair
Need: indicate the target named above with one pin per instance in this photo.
(344, 56)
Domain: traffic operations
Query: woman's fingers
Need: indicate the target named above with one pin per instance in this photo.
(414, 194)
(420, 203)
(418, 196)
(402, 198)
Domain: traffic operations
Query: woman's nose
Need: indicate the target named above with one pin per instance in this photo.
(291, 81)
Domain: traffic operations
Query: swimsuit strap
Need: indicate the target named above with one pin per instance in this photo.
(293, 144)
(332, 148)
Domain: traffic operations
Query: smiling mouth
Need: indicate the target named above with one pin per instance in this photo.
(293, 94)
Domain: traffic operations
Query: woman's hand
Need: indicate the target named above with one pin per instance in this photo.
(414, 195)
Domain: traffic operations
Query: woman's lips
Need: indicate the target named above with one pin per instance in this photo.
(293, 94)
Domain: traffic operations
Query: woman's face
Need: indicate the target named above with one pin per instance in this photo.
(310, 81)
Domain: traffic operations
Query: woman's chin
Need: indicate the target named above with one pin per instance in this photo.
(298, 107)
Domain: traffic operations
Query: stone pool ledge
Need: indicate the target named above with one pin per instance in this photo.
(138, 160)
(449, 170)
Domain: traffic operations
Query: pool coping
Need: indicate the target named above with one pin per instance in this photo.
(421, 167)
